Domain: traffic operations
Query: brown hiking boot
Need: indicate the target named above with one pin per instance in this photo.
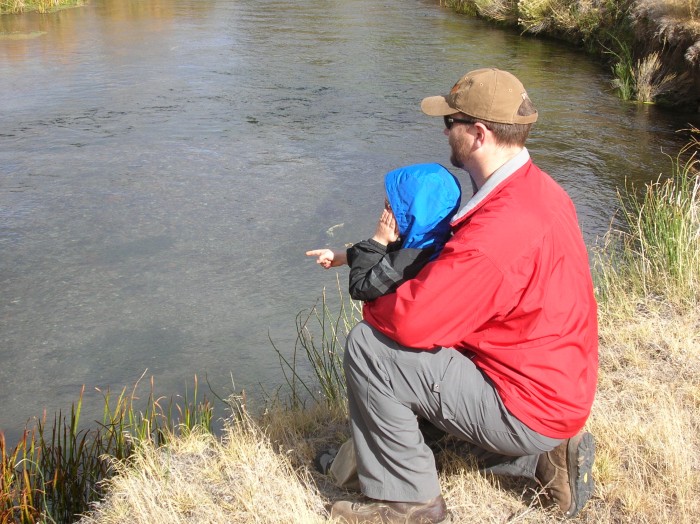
(382, 512)
(566, 473)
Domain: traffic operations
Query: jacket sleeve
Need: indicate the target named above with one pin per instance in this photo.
(376, 271)
(447, 302)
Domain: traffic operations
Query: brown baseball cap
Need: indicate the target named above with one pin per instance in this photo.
(487, 94)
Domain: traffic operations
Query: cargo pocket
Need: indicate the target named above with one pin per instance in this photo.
(441, 392)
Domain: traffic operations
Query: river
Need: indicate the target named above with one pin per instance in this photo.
(164, 164)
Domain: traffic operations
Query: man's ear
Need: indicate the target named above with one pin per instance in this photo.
(481, 133)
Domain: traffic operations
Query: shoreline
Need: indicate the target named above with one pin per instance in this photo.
(652, 47)
(18, 7)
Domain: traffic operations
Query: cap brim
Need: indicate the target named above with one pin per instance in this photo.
(437, 106)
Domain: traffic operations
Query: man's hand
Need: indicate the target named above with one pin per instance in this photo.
(327, 258)
(387, 229)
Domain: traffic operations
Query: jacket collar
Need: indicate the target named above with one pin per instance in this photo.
(498, 176)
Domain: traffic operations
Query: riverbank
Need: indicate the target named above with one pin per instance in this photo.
(651, 46)
(39, 6)
(644, 419)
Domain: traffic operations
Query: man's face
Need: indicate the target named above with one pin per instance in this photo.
(460, 139)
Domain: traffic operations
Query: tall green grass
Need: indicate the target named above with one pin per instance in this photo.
(321, 333)
(55, 471)
(656, 255)
(622, 69)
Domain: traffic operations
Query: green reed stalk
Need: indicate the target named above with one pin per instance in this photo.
(193, 414)
(19, 473)
(623, 68)
(320, 342)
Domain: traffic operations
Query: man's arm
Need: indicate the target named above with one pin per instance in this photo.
(448, 301)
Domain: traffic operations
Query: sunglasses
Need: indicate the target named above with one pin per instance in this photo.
(449, 121)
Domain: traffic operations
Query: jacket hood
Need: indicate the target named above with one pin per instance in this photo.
(424, 198)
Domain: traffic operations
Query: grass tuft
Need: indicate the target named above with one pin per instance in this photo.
(649, 82)
(657, 255)
(56, 470)
(240, 478)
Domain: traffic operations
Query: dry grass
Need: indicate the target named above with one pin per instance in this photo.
(650, 83)
(685, 12)
(498, 10)
(240, 478)
(646, 415)
(673, 24)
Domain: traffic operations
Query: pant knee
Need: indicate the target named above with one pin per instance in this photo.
(354, 341)
(356, 355)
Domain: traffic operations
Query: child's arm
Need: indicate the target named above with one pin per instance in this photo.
(375, 272)
(385, 233)
(328, 258)
(377, 268)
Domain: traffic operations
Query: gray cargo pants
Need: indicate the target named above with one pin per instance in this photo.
(389, 385)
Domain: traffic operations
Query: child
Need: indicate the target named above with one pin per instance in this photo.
(414, 226)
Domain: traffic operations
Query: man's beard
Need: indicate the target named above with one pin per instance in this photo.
(455, 161)
(458, 160)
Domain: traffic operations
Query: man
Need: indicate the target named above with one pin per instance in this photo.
(494, 342)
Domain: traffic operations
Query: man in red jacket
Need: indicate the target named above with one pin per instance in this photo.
(494, 342)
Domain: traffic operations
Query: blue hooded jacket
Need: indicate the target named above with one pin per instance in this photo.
(424, 198)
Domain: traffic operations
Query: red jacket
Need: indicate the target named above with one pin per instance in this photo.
(512, 289)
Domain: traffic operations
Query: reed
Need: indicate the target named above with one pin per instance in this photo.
(321, 335)
(622, 68)
(56, 470)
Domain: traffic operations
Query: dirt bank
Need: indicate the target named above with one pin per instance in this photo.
(651, 46)
(666, 28)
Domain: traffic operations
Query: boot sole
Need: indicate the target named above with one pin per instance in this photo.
(345, 515)
(580, 454)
